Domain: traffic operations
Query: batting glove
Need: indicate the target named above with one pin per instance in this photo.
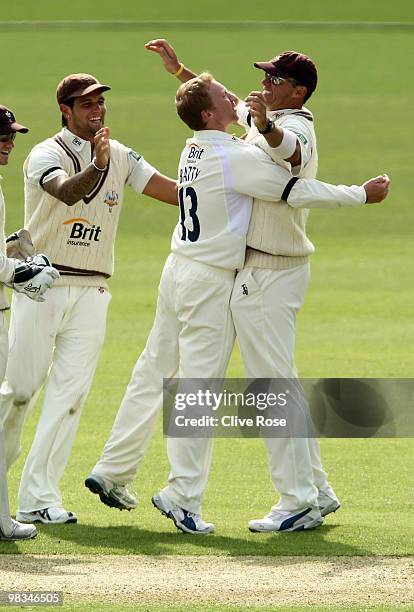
(19, 245)
(33, 277)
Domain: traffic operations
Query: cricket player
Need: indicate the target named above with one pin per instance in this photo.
(193, 333)
(277, 272)
(271, 285)
(74, 185)
(31, 278)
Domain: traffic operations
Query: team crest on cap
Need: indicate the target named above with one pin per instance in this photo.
(8, 114)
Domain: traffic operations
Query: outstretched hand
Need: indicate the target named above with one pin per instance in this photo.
(377, 188)
(166, 52)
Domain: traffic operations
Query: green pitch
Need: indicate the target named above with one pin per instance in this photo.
(357, 320)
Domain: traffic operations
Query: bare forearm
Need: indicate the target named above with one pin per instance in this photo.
(170, 60)
(71, 190)
(162, 188)
(186, 75)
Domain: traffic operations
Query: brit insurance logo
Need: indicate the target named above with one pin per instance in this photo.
(111, 199)
(195, 152)
(82, 232)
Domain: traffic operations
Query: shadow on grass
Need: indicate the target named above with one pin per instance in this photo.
(92, 539)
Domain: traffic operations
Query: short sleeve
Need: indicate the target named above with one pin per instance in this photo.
(139, 171)
(304, 139)
(42, 165)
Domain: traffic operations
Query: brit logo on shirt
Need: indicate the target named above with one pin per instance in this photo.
(111, 199)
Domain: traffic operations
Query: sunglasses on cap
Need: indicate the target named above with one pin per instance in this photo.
(8, 137)
(276, 80)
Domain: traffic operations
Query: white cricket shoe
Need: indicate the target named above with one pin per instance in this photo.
(327, 501)
(189, 522)
(112, 495)
(18, 532)
(278, 520)
(48, 516)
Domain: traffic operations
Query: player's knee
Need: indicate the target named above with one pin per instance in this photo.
(20, 399)
(76, 406)
(19, 395)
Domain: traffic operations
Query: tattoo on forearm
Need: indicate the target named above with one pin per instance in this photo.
(73, 189)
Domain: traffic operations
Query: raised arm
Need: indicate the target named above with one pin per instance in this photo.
(170, 60)
(173, 65)
(72, 189)
(274, 135)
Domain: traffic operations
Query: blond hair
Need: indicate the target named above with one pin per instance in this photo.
(192, 98)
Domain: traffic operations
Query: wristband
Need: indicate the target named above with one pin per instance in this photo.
(97, 167)
(287, 147)
(179, 71)
(268, 128)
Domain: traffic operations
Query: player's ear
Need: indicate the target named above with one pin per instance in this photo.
(65, 110)
(206, 115)
(300, 92)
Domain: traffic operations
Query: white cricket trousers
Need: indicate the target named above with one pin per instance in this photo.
(65, 333)
(6, 524)
(192, 337)
(264, 305)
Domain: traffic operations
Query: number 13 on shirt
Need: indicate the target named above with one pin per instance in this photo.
(189, 234)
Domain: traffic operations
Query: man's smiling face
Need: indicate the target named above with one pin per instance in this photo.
(6, 146)
(86, 116)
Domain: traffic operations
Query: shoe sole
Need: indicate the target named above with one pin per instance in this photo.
(38, 519)
(330, 508)
(178, 525)
(4, 538)
(95, 487)
(30, 537)
(304, 527)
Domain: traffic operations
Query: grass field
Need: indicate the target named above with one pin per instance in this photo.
(357, 319)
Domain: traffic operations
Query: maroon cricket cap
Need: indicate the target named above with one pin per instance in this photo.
(8, 123)
(77, 85)
(294, 65)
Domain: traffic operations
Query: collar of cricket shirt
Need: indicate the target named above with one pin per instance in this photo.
(302, 112)
(76, 143)
(212, 135)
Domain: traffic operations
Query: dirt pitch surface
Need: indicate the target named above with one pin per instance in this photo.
(230, 580)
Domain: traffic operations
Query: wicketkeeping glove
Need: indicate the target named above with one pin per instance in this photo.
(19, 245)
(33, 277)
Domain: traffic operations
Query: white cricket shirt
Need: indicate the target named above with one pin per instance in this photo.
(218, 176)
(79, 239)
(277, 233)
